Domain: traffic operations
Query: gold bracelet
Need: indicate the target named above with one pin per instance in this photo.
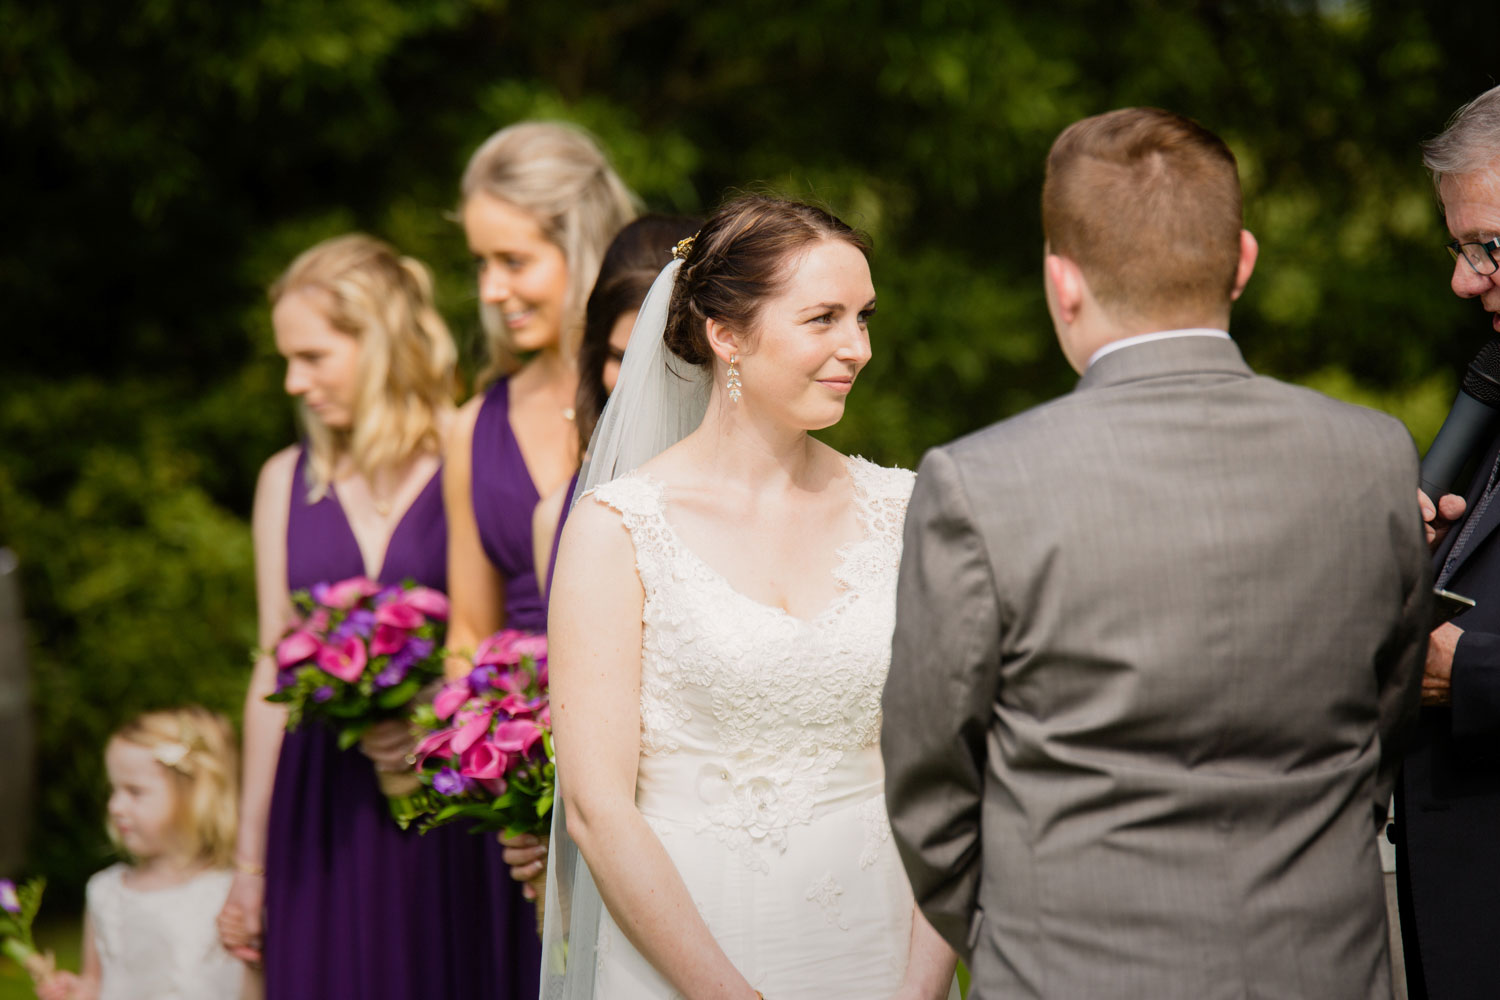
(246, 868)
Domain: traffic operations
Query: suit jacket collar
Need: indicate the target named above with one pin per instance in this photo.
(1178, 356)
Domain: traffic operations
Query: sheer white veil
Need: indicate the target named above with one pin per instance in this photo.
(658, 400)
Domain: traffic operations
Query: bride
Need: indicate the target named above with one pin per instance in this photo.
(720, 632)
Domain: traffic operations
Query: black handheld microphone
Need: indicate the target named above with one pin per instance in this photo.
(1469, 426)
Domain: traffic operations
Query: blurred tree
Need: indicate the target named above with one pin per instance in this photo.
(162, 161)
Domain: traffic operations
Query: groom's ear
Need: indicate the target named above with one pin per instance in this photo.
(724, 342)
(1066, 287)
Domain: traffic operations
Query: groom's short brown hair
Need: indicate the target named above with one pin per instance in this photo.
(1147, 203)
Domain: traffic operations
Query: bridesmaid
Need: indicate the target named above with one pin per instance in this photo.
(353, 906)
(634, 258)
(540, 203)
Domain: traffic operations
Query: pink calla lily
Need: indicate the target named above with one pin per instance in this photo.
(514, 704)
(534, 646)
(516, 735)
(438, 743)
(388, 639)
(483, 760)
(346, 661)
(450, 699)
(347, 593)
(472, 729)
(299, 647)
(399, 614)
(429, 602)
(499, 649)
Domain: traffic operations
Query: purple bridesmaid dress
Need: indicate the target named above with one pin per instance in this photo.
(357, 909)
(504, 499)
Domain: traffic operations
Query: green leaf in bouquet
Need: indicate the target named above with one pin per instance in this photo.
(543, 805)
(349, 736)
(341, 709)
(394, 697)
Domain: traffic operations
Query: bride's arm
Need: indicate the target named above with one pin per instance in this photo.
(929, 964)
(594, 659)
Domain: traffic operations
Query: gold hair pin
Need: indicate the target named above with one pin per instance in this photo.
(683, 248)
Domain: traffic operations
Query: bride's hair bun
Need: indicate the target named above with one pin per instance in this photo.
(739, 259)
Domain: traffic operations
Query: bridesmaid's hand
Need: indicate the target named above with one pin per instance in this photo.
(239, 921)
(387, 744)
(527, 857)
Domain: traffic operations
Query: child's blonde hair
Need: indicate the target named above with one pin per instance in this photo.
(197, 747)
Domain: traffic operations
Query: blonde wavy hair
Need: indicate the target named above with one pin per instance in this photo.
(407, 361)
(558, 174)
(198, 749)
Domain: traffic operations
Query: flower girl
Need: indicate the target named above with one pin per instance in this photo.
(149, 928)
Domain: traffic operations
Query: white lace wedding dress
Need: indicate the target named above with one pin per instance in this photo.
(760, 763)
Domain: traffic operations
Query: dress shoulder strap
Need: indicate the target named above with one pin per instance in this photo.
(638, 498)
(881, 494)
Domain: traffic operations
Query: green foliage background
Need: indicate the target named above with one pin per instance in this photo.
(162, 160)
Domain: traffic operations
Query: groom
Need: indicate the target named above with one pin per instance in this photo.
(1153, 638)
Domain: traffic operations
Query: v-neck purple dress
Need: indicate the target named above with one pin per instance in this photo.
(504, 499)
(357, 909)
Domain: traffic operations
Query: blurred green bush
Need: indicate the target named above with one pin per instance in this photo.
(163, 161)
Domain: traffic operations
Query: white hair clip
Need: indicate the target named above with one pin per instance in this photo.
(169, 754)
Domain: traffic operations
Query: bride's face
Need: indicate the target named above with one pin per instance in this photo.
(811, 339)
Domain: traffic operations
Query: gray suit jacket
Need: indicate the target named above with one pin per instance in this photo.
(1150, 638)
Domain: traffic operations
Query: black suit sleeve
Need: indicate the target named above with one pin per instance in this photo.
(1476, 685)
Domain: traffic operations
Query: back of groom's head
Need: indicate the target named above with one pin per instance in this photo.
(1147, 204)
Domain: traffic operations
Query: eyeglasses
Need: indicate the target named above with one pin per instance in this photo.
(1481, 256)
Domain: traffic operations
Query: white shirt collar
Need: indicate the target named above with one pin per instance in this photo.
(1146, 338)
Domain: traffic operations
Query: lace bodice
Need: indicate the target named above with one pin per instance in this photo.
(749, 707)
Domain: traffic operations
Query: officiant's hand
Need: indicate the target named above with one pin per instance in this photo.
(1437, 675)
(527, 857)
(1439, 517)
(387, 744)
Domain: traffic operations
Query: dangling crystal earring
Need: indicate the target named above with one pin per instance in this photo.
(734, 379)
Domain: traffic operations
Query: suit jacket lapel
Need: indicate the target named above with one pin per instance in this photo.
(1484, 527)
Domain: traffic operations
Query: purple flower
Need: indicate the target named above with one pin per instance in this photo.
(393, 674)
(285, 679)
(323, 693)
(480, 678)
(360, 622)
(449, 782)
(10, 902)
(416, 649)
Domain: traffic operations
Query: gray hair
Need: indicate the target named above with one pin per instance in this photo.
(1470, 142)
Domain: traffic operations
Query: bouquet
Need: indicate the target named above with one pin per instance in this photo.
(487, 755)
(357, 654)
(18, 908)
